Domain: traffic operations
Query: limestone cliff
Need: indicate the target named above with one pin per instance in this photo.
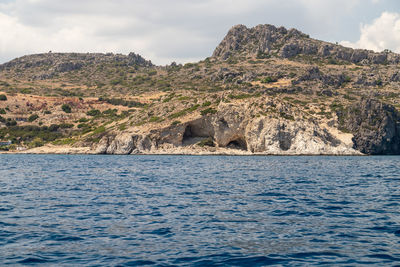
(233, 127)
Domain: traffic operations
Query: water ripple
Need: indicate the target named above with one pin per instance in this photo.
(199, 211)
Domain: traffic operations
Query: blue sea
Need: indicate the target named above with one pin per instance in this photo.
(80, 210)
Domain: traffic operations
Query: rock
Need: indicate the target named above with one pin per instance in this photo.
(289, 43)
(395, 77)
(234, 128)
(375, 125)
(290, 50)
(68, 66)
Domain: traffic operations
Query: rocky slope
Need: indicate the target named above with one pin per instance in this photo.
(266, 40)
(265, 90)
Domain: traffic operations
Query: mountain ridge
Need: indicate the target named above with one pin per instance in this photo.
(268, 39)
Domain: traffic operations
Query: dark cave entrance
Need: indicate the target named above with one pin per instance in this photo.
(193, 135)
(238, 144)
(188, 133)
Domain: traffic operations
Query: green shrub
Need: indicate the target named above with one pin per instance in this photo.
(66, 108)
(53, 128)
(206, 104)
(206, 142)
(208, 111)
(175, 123)
(99, 130)
(122, 102)
(93, 112)
(2, 111)
(155, 119)
(66, 125)
(269, 80)
(36, 142)
(11, 123)
(83, 120)
(47, 112)
(33, 117)
(3, 97)
(83, 125)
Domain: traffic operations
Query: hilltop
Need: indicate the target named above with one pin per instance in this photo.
(264, 90)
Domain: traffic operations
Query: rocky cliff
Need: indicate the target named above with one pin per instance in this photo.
(232, 130)
(267, 40)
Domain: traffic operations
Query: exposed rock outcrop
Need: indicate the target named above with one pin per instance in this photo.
(233, 126)
(375, 125)
(269, 40)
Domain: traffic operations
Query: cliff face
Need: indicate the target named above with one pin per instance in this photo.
(376, 127)
(232, 127)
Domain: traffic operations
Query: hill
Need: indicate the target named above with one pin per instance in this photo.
(264, 90)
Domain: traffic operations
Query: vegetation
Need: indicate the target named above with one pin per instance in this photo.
(208, 111)
(93, 112)
(66, 108)
(33, 117)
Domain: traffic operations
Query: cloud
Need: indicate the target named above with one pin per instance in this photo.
(162, 31)
(382, 33)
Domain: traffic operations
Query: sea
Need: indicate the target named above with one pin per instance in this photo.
(136, 210)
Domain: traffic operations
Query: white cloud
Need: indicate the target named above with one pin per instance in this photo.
(162, 31)
(382, 33)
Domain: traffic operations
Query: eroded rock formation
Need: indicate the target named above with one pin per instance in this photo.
(233, 126)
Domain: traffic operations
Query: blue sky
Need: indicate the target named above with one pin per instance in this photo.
(185, 30)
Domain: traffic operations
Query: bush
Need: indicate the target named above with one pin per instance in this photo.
(121, 102)
(47, 112)
(206, 142)
(269, 80)
(208, 111)
(36, 142)
(11, 122)
(53, 128)
(83, 120)
(206, 104)
(3, 97)
(155, 119)
(66, 108)
(2, 111)
(83, 125)
(33, 117)
(66, 125)
(93, 112)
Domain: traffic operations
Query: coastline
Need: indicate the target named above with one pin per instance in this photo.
(190, 151)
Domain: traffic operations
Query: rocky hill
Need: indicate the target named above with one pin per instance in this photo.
(265, 90)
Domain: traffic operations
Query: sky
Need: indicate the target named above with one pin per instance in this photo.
(183, 31)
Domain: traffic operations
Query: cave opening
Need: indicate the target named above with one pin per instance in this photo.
(188, 133)
(192, 136)
(238, 144)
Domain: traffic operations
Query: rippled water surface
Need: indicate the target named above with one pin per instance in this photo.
(199, 211)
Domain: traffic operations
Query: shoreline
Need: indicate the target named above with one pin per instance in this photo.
(178, 151)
